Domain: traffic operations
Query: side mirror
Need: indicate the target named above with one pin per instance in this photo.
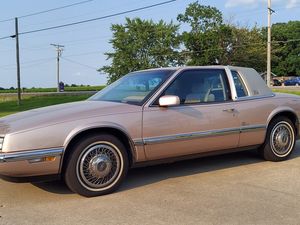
(169, 100)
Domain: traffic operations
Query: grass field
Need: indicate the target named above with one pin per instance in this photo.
(8, 105)
(32, 90)
(286, 91)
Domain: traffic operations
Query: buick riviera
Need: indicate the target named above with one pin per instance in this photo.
(146, 117)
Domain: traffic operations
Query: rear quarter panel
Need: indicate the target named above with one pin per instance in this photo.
(261, 112)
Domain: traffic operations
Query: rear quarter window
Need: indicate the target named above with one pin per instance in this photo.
(240, 87)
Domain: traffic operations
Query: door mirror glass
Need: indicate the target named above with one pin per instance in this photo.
(169, 100)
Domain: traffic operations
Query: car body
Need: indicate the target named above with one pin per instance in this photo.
(150, 116)
(292, 82)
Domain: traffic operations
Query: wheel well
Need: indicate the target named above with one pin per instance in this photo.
(289, 115)
(107, 130)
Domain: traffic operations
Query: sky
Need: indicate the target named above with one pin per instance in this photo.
(86, 44)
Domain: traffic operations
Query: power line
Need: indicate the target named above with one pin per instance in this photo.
(48, 10)
(93, 19)
(97, 12)
(182, 52)
(78, 63)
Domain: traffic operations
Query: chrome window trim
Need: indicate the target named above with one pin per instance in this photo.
(29, 155)
(231, 83)
(254, 97)
(202, 134)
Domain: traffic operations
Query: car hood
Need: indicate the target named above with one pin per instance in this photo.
(51, 115)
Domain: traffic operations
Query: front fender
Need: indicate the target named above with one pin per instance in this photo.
(85, 127)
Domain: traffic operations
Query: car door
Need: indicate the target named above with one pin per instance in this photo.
(204, 121)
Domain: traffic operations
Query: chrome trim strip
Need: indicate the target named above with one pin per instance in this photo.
(202, 134)
(250, 128)
(29, 155)
(138, 142)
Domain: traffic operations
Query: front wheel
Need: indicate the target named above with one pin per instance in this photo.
(96, 166)
(280, 140)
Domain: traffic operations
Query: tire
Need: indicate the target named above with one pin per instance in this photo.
(97, 165)
(280, 140)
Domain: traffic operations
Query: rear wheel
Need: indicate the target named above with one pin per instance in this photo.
(96, 166)
(280, 140)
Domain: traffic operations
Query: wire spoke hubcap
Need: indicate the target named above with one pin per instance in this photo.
(282, 139)
(98, 166)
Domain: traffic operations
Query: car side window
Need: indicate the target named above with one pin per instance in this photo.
(200, 86)
(241, 90)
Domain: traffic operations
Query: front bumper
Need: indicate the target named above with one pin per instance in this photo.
(31, 163)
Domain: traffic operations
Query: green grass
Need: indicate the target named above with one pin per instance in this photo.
(286, 91)
(32, 90)
(8, 105)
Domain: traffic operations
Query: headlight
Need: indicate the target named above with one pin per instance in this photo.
(1, 142)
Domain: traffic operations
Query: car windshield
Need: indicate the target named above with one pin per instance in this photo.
(134, 88)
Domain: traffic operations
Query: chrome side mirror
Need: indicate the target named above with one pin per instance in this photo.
(169, 100)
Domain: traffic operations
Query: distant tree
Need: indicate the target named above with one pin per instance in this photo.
(73, 85)
(141, 44)
(286, 48)
(1, 88)
(66, 85)
(11, 88)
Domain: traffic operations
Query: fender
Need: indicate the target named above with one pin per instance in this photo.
(104, 124)
(281, 109)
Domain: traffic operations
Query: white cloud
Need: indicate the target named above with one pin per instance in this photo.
(292, 4)
(289, 4)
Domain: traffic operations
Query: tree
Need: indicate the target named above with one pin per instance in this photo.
(248, 48)
(142, 44)
(210, 41)
(286, 48)
(207, 39)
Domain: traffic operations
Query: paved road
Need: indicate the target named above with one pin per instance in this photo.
(237, 188)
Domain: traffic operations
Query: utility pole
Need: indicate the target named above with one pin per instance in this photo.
(270, 11)
(59, 50)
(18, 59)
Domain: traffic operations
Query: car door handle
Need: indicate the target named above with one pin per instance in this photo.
(229, 110)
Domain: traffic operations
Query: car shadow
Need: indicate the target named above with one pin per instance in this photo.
(143, 176)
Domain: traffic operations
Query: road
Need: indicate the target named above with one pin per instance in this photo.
(237, 188)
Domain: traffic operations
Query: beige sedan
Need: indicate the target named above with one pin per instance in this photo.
(149, 117)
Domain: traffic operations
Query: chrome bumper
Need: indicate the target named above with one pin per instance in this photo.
(31, 163)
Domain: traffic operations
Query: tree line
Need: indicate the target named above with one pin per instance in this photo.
(206, 40)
